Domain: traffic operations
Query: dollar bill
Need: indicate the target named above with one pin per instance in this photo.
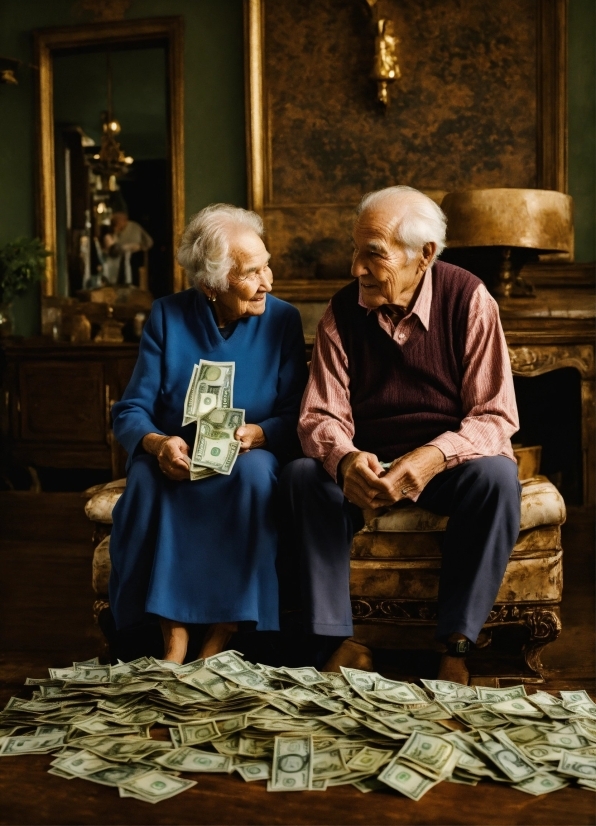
(117, 775)
(82, 763)
(215, 446)
(291, 770)
(211, 385)
(305, 676)
(509, 759)
(520, 707)
(31, 744)
(430, 752)
(370, 759)
(392, 691)
(541, 784)
(573, 697)
(187, 759)
(445, 689)
(577, 766)
(497, 695)
(155, 786)
(328, 764)
(406, 780)
(480, 718)
(255, 770)
(195, 733)
(568, 741)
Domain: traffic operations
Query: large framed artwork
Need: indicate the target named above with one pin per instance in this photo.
(481, 102)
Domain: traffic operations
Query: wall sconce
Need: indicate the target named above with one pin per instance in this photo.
(8, 67)
(385, 66)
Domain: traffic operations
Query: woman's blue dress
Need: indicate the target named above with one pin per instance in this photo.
(204, 551)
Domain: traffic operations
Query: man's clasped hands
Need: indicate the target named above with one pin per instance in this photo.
(368, 485)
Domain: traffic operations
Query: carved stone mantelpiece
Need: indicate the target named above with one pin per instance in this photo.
(555, 330)
(539, 359)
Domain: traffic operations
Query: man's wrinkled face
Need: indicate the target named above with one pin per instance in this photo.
(386, 275)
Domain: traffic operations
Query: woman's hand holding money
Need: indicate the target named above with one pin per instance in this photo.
(250, 436)
(172, 455)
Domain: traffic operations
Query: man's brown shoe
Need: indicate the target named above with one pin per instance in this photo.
(350, 654)
(454, 669)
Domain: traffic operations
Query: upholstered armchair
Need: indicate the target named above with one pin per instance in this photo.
(395, 567)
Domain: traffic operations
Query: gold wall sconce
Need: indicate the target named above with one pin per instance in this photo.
(385, 69)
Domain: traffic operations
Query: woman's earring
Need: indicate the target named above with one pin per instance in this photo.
(213, 297)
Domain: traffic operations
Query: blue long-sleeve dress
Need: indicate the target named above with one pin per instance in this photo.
(204, 551)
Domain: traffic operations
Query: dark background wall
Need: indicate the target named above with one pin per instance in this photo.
(214, 112)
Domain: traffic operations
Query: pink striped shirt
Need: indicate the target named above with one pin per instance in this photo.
(326, 426)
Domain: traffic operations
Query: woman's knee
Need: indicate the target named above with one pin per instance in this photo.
(257, 468)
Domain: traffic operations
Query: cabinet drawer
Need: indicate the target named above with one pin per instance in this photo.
(62, 401)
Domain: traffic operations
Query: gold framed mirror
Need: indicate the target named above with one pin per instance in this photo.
(105, 40)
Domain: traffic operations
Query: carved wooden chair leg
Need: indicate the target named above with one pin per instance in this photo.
(544, 625)
(104, 649)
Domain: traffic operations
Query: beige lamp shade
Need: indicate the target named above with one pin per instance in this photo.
(537, 219)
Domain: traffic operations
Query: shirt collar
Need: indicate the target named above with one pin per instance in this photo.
(422, 304)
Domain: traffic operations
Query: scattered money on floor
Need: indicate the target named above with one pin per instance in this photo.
(139, 726)
(210, 403)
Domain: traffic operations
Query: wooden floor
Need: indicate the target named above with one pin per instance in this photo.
(45, 620)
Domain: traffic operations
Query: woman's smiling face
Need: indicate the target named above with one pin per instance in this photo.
(249, 280)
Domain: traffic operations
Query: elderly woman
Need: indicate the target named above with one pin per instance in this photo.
(203, 552)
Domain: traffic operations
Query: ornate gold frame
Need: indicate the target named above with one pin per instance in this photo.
(164, 31)
(551, 121)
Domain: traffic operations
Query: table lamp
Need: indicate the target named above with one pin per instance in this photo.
(519, 223)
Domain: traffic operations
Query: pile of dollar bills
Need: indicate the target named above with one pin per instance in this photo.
(139, 726)
(210, 403)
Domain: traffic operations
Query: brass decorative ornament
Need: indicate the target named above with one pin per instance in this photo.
(385, 65)
(8, 69)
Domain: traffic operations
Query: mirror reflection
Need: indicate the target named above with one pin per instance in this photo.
(111, 150)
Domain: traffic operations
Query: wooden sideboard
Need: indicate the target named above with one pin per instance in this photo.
(57, 399)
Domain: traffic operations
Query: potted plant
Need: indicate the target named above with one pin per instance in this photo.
(22, 263)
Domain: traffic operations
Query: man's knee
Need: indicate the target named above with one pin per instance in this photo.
(494, 480)
(308, 479)
(494, 473)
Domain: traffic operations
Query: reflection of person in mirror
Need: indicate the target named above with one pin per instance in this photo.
(126, 238)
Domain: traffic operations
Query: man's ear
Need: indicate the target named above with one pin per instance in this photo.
(428, 253)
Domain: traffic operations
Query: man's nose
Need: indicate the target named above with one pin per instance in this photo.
(358, 268)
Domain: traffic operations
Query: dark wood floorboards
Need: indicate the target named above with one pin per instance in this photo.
(45, 620)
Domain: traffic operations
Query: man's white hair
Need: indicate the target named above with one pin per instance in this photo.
(205, 251)
(422, 221)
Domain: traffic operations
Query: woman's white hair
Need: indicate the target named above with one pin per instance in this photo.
(205, 251)
(422, 221)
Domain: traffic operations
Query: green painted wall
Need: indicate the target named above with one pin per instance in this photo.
(214, 113)
(214, 110)
(582, 125)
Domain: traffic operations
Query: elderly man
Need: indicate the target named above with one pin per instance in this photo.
(410, 367)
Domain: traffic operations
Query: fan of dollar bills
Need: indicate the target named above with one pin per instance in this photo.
(139, 726)
(210, 403)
